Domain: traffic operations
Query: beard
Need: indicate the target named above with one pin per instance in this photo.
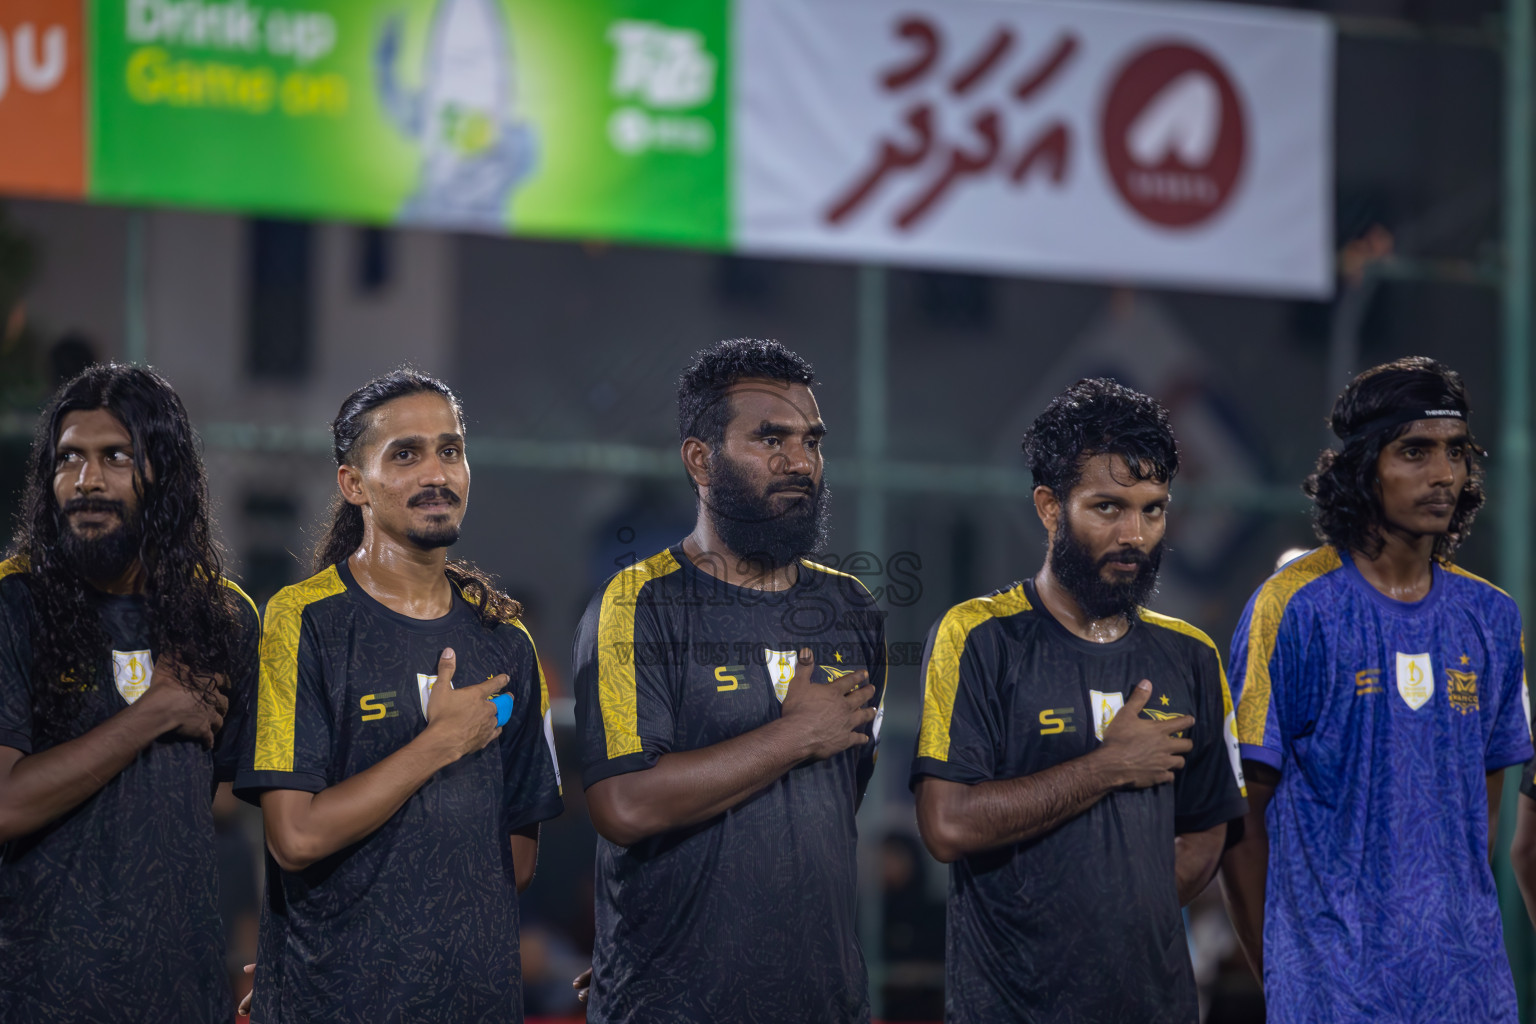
(1082, 575)
(435, 535)
(105, 555)
(758, 530)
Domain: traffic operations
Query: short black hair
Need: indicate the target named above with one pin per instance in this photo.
(1099, 416)
(701, 410)
(1346, 511)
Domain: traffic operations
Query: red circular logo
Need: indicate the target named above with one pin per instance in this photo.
(1174, 138)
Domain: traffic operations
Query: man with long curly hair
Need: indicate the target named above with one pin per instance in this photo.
(402, 819)
(122, 647)
(1072, 765)
(1381, 693)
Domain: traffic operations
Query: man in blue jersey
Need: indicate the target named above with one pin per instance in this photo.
(1380, 695)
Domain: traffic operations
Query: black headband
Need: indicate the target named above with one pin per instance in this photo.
(1397, 417)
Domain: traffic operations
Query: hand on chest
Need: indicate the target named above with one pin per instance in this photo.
(738, 686)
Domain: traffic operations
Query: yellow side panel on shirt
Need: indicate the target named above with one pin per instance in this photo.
(943, 678)
(1264, 630)
(277, 692)
(616, 653)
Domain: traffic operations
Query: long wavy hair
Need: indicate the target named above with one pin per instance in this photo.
(1346, 510)
(191, 613)
(344, 535)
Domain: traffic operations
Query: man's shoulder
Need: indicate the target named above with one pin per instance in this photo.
(1182, 632)
(644, 574)
(13, 577)
(845, 583)
(957, 625)
(290, 602)
(1473, 587)
(1297, 585)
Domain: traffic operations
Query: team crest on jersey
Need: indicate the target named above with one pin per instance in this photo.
(130, 671)
(1461, 690)
(1415, 679)
(781, 669)
(835, 673)
(424, 685)
(1104, 707)
(1161, 716)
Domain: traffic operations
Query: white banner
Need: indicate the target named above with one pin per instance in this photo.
(1176, 144)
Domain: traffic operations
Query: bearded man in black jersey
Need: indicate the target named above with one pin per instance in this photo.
(1074, 764)
(727, 696)
(122, 648)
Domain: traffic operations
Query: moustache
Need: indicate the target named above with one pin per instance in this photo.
(83, 504)
(434, 494)
(795, 483)
(1130, 556)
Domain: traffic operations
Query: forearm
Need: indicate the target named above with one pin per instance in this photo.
(1196, 856)
(303, 828)
(1522, 853)
(969, 819)
(692, 786)
(38, 788)
(1244, 872)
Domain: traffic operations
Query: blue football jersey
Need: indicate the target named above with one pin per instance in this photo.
(1383, 718)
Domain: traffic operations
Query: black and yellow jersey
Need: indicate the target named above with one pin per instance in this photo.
(747, 917)
(1081, 924)
(111, 912)
(419, 920)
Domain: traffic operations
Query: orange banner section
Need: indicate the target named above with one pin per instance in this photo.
(42, 97)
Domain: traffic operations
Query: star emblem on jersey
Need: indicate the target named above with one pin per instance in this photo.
(781, 669)
(130, 672)
(1415, 679)
(1461, 690)
(1103, 707)
(424, 685)
(1163, 700)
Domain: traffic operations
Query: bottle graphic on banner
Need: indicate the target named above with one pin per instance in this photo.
(475, 151)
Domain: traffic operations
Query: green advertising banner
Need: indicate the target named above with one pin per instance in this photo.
(603, 118)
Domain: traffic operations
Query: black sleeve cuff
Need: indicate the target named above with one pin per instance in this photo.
(947, 770)
(249, 785)
(16, 740)
(551, 808)
(1230, 810)
(622, 765)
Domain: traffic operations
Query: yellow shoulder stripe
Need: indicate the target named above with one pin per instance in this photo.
(277, 692)
(232, 585)
(1180, 626)
(832, 572)
(1459, 571)
(11, 566)
(548, 728)
(1264, 629)
(1525, 691)
(616, 652)
(943, 676)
